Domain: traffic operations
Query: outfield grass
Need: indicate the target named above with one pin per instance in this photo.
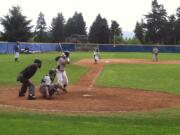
(140, 55)
(159, 123)
(164, 78)
(9, 69)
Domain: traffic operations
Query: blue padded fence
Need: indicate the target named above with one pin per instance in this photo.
(8, 47)
(138, 48)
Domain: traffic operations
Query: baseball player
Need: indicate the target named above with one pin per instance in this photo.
(17, 50)
(24, 78)
(47, 87)
(96, 55)
(155, 52)
(61, 73)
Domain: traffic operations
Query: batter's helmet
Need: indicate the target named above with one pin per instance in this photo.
(67, 53)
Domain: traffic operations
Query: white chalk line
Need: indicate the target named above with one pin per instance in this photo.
(94, 80)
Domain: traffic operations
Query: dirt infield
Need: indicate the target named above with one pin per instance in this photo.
(85, 97)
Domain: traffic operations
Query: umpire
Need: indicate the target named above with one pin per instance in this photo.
(24, 77)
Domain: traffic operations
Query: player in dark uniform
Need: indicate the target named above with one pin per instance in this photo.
(17, 50)
(24, 77)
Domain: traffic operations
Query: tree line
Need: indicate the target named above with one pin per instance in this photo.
(157, 27)
(18, 28)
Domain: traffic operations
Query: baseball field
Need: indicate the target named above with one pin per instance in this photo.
(125, 93)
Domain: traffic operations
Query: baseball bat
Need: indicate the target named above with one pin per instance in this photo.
(60, 47)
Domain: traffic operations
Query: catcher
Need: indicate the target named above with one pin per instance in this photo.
(47, 88)
(24, 77)
(60, 71)
(96, 55)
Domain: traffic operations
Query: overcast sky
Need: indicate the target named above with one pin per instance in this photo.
(125, 12)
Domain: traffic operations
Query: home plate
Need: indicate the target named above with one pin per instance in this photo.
(107, 61)
(87, 95)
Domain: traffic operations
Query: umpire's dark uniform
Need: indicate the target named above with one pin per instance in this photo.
(24, 77)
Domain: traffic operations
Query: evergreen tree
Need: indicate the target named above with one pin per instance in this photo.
(40, 31)
(156, 21)
(139, 31)
(99, 31)
(57, 28)
(177, 26)
(170, 33)
(75, 25)
(16, 27)
(115, 32)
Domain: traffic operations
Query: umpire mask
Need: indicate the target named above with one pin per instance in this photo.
(38, 62)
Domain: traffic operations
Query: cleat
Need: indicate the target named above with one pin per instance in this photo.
(31, 97)
(21, 94)
(65, 90)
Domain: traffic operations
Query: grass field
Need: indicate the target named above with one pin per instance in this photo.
(165, 78)
(10, 69)
(159, 123)
(163, 122)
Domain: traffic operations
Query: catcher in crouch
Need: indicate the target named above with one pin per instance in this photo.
(60, 71)
(47, 87)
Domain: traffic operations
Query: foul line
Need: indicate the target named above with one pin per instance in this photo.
(94, 80)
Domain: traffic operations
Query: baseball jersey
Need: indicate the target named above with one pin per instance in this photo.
(46, 80)
(16, 48)
(62, 61)
(155, 50)
(29, 71)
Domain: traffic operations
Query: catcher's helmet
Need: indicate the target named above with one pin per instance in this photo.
(52, 71)
(52, 74)
(67, 53)
(38, 62)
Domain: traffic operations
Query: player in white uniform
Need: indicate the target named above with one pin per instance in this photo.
(17, 50)
(155, 52)
(60, 71)
(47, 87)
(96, 55)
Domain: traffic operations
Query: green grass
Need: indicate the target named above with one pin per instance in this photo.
(159, 123)
(140, 55)
(131, 55)
(10, 69)
(165, 122)
(149, 77)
